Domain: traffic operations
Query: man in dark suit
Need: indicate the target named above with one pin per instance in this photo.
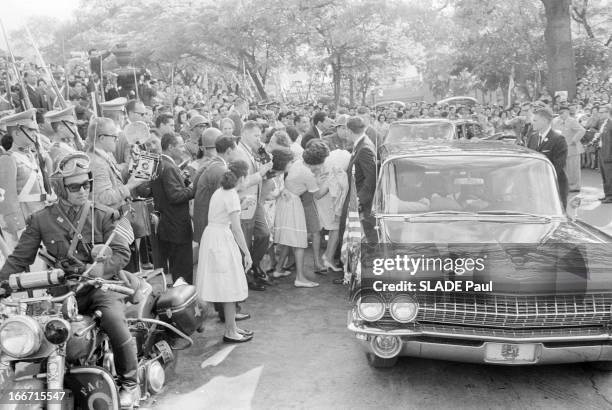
(604, 140)
(36, 98)
(363, 165)
(320, 123)
(172, 202)
(553, 145)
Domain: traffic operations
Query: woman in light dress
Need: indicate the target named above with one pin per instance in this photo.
(221, 273)
(290, 221)
(333, 174)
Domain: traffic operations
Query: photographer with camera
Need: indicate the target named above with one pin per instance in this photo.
(172, 198)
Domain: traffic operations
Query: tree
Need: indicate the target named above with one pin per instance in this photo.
(356, 38)
(559, 51)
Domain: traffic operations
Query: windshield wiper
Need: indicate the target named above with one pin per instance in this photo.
(513, 213)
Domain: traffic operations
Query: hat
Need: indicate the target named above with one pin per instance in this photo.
(209, 136)
(341, 120)
(197, 120)
(118, 104)
(67, 114)
(25, 118)
(74, 164)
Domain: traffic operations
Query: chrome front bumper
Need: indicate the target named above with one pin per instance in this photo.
(472, 349)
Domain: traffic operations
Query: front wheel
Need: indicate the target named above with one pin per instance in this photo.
(378, 362)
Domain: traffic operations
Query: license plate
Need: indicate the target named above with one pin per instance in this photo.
(510, 352)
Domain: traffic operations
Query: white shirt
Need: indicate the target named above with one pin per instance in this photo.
(543, 135)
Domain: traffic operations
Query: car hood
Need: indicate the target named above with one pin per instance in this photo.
(552, 257)
(504, 230)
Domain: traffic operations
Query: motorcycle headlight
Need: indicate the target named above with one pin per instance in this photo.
(371, 308)
(404, 309)
(57, 331)
(20, 336)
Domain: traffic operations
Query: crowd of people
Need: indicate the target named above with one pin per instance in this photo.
(254, 185)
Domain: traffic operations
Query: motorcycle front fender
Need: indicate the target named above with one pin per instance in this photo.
(92, 387)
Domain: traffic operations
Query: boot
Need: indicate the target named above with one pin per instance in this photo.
(126, 363)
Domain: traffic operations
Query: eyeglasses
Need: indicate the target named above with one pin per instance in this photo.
(77, 187)
(114, 137)
(69, 165)
(142, 114)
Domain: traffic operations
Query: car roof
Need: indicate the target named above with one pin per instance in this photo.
(462, 121)
(456, 147)
(421, 121)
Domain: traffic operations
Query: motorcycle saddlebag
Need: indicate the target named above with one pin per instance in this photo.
(178, 306)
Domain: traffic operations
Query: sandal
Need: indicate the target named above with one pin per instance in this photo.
(246, 332)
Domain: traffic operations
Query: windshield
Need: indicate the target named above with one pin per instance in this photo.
(399, 133)
(468, 183)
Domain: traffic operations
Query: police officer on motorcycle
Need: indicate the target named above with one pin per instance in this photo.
(70, 229)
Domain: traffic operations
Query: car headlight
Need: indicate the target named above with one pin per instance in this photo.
(404, 309)
(370, 308)
(20, 336)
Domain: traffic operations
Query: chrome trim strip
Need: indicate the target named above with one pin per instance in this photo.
(405, 332)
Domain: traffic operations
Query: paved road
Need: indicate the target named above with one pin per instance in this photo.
(302, 356)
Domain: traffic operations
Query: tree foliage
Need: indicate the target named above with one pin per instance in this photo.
(457, 45)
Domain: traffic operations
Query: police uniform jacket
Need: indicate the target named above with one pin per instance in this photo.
(108, 187)
(50, 227)
(25, 194)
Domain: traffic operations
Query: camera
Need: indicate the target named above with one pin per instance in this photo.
(263, 155)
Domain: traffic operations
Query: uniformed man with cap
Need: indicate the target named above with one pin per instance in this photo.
(73, 232)
(115, 110)
(109, 188)
(197, 125)
(205, 152)
(20, 175)
(65, 138)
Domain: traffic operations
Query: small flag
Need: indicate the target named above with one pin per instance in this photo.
(351, 241)
(124, 229)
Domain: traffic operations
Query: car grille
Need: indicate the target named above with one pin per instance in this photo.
(515, 312)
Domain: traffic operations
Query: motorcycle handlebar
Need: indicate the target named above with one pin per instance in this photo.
(120, 289)
(105, 285)
(53, 277)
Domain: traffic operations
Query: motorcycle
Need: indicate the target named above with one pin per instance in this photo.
(65, 360)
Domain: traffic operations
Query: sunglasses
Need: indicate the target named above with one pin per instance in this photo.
(77, 187)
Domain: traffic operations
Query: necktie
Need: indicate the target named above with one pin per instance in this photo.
(72, 214)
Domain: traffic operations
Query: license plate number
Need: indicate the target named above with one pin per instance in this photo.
(510, 352)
